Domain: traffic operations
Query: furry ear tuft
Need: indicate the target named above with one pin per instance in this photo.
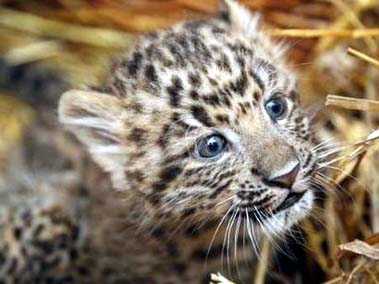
(239, 17)
(96, 119)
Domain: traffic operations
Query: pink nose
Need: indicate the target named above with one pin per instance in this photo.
(287, 179)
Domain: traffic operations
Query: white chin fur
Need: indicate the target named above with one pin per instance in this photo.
(284, 220)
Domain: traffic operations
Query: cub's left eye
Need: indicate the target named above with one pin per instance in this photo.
(211, 146)
(276, 108)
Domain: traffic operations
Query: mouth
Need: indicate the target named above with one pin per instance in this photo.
(290, 200)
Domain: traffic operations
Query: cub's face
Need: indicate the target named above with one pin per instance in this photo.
(202, 120)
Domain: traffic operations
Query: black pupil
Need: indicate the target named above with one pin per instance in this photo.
(275, 107)
(214, 144)
(211, 146)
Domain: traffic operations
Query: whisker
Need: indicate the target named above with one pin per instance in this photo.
(326, 186)
(260, 220)
(224, 201)
(316, 214)
(328, 152)
(349, 175)
(299, 239)
(244, 250)
(327, 143)
(335, 185)
(215, 234)
(361, 147)
(236, 239)
(273, 232)
(174, 232)
(252, 236)
(226, 242)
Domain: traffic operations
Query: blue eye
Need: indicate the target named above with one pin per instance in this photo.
(276, 108)
(211, 146)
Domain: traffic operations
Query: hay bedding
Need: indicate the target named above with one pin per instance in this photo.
(334, 48)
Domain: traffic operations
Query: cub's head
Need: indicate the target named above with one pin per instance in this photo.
(202, 120)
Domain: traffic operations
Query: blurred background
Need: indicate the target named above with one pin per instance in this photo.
(334, 50)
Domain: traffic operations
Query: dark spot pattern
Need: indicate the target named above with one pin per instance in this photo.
(257, 80)
(186, 75)
(151, 74)
(166, 176)
(201, 115)
(194, 80)
(134, 64)
(137, 135)
(175, 91)
(220, 189)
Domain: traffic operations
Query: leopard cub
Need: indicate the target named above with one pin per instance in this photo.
(200, 130)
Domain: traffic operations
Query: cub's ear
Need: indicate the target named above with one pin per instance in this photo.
(240, 18)
(96, 119)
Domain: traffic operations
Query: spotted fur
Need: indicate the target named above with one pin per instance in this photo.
(167, 210)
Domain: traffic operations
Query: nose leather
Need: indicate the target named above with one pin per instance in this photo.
(287, 179)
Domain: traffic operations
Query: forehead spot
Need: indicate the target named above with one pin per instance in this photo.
(223, 63)
(240, 85)
(194, 95)
(151, 74)
(213, 82)
(223, 118)
(256, 96)
(194, 79)
(134, 64)
(212, 99)
(257, 80)
(201, 115)
(243, 108)
(175, 91)
(176, 54)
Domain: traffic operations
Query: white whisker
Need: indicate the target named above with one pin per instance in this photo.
(236, 239)
(215, 234)
(252, 236)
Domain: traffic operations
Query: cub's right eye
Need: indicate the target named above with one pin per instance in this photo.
(276, 108)
(211, 146)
